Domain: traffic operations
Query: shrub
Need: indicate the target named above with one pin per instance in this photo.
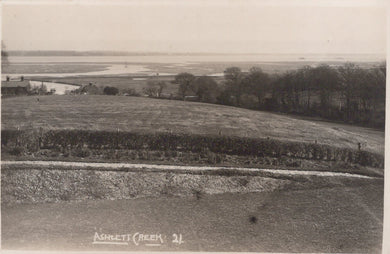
(16, 151)
(109, 90)
(81, 152)
(130, 92)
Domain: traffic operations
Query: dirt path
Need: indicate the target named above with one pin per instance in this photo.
(180, 168)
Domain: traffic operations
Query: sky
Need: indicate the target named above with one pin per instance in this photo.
(195, 26)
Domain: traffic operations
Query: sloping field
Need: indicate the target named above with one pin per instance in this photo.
(151, 115)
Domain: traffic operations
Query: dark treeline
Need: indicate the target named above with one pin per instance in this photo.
(346, 93)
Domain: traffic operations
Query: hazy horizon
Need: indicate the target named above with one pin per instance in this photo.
(187, 52)
(118, 53)
(221, 27)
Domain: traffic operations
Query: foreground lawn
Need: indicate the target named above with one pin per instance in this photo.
(334, 219)
(153, 115)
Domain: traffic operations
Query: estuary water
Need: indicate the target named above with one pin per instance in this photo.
(142, 64)
(185, 58)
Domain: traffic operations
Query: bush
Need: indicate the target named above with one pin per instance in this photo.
(130, 92)
(109, 90)
(81, 152)
(16, 151)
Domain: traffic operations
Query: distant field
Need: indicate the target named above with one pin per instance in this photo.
(152, 115)
(119, 82)
(123, 82)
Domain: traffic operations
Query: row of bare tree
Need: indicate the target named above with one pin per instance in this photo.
(347, 93)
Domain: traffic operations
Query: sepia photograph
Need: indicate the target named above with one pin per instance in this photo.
(193, 126)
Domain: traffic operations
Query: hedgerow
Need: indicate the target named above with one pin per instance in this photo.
(77, 140)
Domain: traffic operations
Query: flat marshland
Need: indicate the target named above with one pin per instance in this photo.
(51, 68)
(167, 65)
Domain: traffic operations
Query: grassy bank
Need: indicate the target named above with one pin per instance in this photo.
(135, 114)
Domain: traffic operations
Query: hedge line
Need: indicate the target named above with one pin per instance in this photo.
(70, 139)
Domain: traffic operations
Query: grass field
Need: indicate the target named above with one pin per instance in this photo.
(326, 220)
(121, 83)
(152, 115)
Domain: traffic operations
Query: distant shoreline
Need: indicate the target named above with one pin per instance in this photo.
(128, 53)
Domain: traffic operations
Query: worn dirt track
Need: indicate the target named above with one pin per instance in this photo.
(180, 168)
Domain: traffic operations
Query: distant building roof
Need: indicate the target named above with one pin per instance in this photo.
(15, 83)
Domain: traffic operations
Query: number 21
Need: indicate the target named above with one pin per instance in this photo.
(177, 239)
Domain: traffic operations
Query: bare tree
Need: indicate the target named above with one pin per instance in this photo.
(350, 79)
(327, 82)
(258, 83)
(151, 89)
(161, 86)
(206, 88)
(184, 80)
(154, 88)
(4, 54)
(234, 82)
